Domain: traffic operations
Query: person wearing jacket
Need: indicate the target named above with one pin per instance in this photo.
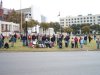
(13, 40)
(98, 43)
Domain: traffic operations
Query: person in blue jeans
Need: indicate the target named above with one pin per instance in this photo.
(81, 42)
(24, 40)
(98, 43)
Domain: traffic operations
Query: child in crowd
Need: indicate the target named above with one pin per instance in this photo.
(6, 45)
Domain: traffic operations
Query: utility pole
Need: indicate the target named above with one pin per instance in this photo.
(21, 16)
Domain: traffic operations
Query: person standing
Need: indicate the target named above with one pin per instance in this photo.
(81, 42)
(94, 36)
(98, 43)
(60, 41)
(72, 42)
(66, 41)
(90, 38)
(13, 40)
(76, 42)
(85, 39)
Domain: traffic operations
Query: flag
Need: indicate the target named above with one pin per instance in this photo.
(59, 14)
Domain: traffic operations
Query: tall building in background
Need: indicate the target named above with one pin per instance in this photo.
(43, 18)
(90, 19)
(31, 13)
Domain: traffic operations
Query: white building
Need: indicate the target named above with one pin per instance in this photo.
(90, 19)
(37, 29)
(7, 28)
(31, 13)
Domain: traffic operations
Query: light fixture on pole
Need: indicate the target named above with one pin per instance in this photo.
(26, 31)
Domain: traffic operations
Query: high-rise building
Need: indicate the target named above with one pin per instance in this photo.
(43, 18)
(89, 19)
(31, 13)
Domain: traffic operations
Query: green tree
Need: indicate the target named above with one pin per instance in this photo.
(30, 23)
(85, 29)
(68, 30)
(14, 16)
(95, 27)
(75, 28)
(55, 25)
(44, 25)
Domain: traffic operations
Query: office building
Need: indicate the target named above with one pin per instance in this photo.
(88, 19)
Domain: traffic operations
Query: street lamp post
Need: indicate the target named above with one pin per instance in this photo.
(59, 22)
(26, 32)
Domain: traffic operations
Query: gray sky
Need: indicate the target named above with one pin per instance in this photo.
(51, 8)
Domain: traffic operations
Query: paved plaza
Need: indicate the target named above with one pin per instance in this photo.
(50, 63)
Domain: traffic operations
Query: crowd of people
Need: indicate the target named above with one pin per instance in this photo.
(47, 41)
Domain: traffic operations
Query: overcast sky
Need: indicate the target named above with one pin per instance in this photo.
(51, 8)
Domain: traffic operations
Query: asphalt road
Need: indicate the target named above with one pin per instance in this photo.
(50, 63)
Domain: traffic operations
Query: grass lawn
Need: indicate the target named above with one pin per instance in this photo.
(19, 48)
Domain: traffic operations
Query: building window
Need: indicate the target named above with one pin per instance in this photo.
(66, 25)
(2, 27)
(87, 20)
(62, 22)
(90, 17)
(9, 27)
(87, 17)
(77, 18)
(90, 20)
(61, 19)
(98, 19)
(98, 16)
(29, 14)
(6, 27)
